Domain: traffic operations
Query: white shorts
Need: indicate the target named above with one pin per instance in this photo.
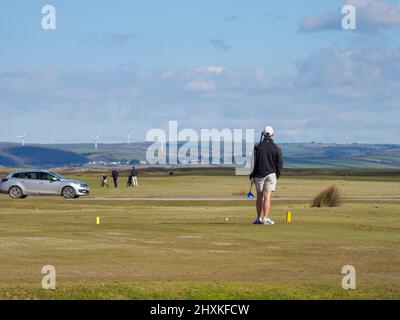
(267, 184)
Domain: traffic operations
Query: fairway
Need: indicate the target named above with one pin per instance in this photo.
(150, 248)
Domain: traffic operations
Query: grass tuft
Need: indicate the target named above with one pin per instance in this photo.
(328, 198)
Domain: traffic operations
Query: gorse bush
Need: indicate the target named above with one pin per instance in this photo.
(328, 198)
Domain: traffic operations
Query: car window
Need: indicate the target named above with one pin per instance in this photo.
(25, 175)
(44, 176)
(31, 175)
(57, 175)
(19, 176)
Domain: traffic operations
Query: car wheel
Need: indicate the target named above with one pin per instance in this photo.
(16, 192)
(76, 197)
(68, 193)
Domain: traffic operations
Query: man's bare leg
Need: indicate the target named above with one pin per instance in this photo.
(260, 196)
(266, 205)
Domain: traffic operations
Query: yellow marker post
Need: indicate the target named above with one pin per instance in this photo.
(98, 220)
(289, 217)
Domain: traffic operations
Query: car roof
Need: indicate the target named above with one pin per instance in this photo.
(27, 171)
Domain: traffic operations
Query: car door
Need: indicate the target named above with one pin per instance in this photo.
(18, 179)
(48, 184)
(31, 183)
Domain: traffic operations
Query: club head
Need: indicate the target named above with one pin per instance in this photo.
(250, 195)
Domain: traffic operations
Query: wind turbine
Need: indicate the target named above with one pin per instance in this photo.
(129, 139)
(23, 138)
(51, 137)
(96, 141)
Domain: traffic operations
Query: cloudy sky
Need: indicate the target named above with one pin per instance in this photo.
(113, 67)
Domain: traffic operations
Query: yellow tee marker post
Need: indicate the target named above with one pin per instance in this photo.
(289, 217)
(98, 220)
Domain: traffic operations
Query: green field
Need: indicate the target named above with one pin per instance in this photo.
(173, 241)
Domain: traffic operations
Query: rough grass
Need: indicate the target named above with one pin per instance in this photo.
(206, 186)
(186, 249)
(328, 198)
(202, 291)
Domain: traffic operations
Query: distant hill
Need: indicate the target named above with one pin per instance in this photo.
(297, 155)
(313, 155)
(18, 156)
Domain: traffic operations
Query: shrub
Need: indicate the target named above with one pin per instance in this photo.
(328, 198)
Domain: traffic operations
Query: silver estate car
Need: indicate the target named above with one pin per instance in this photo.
(20, 184)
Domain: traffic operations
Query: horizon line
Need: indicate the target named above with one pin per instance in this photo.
(183, 141)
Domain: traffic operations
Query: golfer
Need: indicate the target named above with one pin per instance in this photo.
(115, 175)
(267, 164)
(134, 174)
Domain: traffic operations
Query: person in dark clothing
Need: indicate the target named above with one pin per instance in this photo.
(130, 181)
(267, 165)
(134, 174)
(115, 175)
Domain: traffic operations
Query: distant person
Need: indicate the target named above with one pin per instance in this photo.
(130, 181)
(266, 169)
(103, 181)
(115, 175)
(134, 174)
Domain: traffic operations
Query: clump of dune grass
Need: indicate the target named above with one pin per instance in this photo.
(328, 198)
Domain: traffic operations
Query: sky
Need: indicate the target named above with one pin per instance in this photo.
(116, 67)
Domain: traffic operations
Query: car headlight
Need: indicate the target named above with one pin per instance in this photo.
(83, 185)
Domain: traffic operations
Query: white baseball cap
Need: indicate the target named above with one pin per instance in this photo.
(268, 131)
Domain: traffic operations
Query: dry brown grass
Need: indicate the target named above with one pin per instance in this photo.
(328, 198)
(187, 250)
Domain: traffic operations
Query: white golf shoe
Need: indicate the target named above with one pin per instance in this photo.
(268, 221)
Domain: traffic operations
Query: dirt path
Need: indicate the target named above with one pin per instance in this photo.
(191, 198)
(220, 198)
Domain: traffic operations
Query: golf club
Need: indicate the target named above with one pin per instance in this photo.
(250, 195)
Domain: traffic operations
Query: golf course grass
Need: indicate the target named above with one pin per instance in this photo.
(203, 246)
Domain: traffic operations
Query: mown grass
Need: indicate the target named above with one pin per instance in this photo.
(202, 291)
(228, 186)
(188, 250)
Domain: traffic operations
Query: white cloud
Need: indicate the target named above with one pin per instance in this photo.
(211, 69)
(336, 90)
(372, 15)
(201, 86)
(368, 70)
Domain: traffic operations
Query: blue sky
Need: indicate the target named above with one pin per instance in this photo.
(113, 67)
